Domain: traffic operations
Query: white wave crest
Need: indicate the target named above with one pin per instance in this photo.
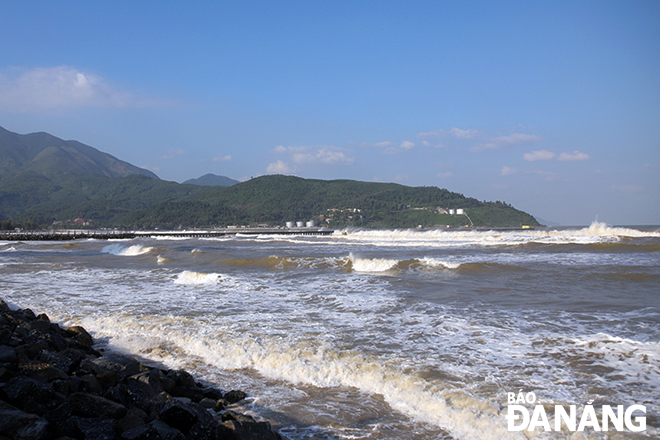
(197, 278)
(372, 264)
(127, 251)
(433, 262)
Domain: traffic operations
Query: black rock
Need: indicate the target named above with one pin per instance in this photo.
(248, 430)
(17, 424)
(20, 389)
(178, 415)
(95, 428)
(234, 396)
(8, 354)
(90, 405)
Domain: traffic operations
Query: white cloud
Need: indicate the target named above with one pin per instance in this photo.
(401, 177)
(463, 134)
(445, 175)
(507, 171)
(172, 152)
(539, 155)
(383, 144)
(407, 145)
(62, 87)
(576, 155)
(391, 150)
(503, 141)
(279, 167)
(226, 158)
(328, 155)
(453, 132)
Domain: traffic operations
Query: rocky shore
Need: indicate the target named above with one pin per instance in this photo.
(55, 385)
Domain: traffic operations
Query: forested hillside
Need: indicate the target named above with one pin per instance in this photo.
(48, 182)
(274, 200)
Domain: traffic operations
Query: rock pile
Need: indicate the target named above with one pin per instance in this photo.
(55, 385)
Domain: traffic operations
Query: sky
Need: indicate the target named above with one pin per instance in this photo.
(553, 107)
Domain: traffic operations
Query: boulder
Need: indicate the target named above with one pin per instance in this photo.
(19, 425)
(90, 405)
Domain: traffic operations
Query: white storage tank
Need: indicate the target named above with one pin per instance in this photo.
(452, 211)
(290, 224)
(460, 211)
(300, 224)
(311, 224)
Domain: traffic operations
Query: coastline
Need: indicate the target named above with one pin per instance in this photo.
(54, 384)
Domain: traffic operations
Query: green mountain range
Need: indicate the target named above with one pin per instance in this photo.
(45, 181)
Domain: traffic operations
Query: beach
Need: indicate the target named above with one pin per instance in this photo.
(378, 334)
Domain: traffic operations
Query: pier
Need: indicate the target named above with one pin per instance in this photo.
(103, 234)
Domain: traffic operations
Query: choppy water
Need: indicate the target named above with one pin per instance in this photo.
(374, 334)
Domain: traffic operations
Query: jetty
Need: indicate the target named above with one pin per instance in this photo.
(112, 234)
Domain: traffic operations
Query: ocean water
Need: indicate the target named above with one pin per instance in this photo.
(388, 334)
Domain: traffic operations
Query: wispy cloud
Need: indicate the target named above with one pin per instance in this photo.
(327, 155)
(507, 171)
(62, 87)
(546, 175)
(539, 155)
(576, 155)
(226, 158)
(383, 144)
(504, 141)
(452, 132)
(280, 167)
(445, 175)
(549, 155)
(171, 153)
(407, 145)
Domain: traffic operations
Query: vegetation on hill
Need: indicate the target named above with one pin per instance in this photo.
(46, 155)
(275, 199)
(45, 181)
(212, 180)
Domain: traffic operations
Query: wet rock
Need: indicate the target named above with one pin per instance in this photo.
(8, 355)
(178, 415)
(133, 419)
(90, 405)
(17, 424)
(166, 432)
(20, 389)
(81, 336)
(247, 431)
(95, 428)
(234, 396)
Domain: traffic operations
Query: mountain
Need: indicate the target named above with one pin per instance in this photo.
(45, 180)
(212, 180)
(45, 155)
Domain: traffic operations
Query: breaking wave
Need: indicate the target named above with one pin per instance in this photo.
(127, 251)
(197, 278)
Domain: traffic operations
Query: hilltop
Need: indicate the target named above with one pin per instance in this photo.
(212, 180)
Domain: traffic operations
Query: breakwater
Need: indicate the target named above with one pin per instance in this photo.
(81, 234)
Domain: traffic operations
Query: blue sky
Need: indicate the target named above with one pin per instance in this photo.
(553, 107)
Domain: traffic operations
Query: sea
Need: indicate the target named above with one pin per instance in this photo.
(376, 334)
